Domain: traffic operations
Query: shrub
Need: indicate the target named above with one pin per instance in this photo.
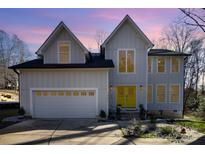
(142, 112)
(152, 119)
(21, 111)
(201, 109)
(165, 131)
(102, 114)
(118, 112)
(134, 129)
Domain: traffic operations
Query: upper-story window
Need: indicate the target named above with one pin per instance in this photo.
(160, 65)
(64, 52)
(174, 65)
(126, 62)
(149, 64)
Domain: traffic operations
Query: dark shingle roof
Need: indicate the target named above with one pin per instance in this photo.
(38, 63)
(165, 52)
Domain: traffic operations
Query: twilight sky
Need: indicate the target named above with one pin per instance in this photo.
(35, 25)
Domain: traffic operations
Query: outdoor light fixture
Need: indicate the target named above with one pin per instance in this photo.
(141, 87)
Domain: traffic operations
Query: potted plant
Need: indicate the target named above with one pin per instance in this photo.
(102, 116)
(21, 113)
(142, 112)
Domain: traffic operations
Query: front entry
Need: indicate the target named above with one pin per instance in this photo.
(126, 96)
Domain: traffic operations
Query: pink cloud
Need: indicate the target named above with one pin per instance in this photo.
(31, 35)
(89, 42)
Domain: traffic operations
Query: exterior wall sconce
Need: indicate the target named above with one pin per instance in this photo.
(111, 87)
(141, 87)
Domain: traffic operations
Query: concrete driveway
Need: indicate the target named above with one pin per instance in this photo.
(69, 131)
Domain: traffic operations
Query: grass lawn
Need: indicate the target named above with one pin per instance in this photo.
(193, 122)
(7, 113)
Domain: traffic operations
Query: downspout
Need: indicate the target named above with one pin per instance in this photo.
(184, 88)
(18, 74)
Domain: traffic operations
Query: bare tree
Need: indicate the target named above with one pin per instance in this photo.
(12, 51)
(176, 37)
(194, 18)
(100, 37)
(182, 38)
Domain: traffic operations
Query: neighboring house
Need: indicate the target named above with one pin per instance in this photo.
(67, 81)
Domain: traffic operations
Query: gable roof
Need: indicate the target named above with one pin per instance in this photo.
(96, 61)
(128, 18)
(53, 34)
(165, 52)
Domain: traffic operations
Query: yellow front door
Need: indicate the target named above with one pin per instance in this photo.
(126, 96)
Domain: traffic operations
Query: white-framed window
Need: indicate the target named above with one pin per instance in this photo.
(126, 60)
(161, 64)
(64, 52)
(174, 94)
(150, 65)
(175, 65)
(161, 93)
(149, 93)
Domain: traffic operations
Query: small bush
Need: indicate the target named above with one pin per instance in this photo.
(21, 111)
(165, 131)
(201, 109)
(152, 119)
(118, 112)
(133, 129)
(102, 114)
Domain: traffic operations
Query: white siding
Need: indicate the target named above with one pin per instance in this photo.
(127, 38)
(50, 53)
(168, 79)
(64, 79)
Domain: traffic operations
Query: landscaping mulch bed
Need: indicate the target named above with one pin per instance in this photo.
(161, 129)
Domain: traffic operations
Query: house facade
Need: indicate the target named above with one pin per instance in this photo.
(67, 81)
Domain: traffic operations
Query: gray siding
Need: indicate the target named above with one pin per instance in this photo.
(64, 79)
(50, 53)
(127, 38)
(167, 78)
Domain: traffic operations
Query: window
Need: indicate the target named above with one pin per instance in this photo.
(149, 94)
(63, 52)
(149, 64)
(53, 93)
(75, 93)
(61, 93)
(91, 93)
(38, 93)
(161, 93)
(68, 93)
(174, 93)
(83, 93)
(161, 65)
(126, 61)
(130, 61)
(174, 65)
(122, 61)
(45, 93)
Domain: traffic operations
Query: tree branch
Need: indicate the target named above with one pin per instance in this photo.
(189, 15)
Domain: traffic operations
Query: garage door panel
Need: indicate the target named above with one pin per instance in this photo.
(48, 104)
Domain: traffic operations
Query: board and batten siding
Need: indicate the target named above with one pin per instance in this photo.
(64, 78)
(50, 53)
(168, 78)
(127, 38)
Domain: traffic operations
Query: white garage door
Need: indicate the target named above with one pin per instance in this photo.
(64, 103)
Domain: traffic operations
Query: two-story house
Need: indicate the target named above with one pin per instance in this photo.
(67, 81)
